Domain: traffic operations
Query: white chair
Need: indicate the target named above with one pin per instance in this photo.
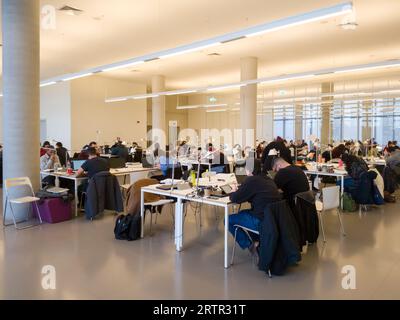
(151, 207)
(330, 200)
(28, 199)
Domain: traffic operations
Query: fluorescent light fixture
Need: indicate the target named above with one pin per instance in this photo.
(191, 48)
(77, 76)
(216, 110)
(1, 94)
(187, 107)
(235, 109)
(294, 77)
(224, 87)
(146, 96)
(173, 93)
(116, 99)
(215, 105)
(316, 15)
(123, 65)
(45, 84)
(370, 67)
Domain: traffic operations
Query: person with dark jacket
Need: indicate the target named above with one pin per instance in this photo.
(62, 154)
(91, 167)
(282, 150)
(290, 179)
(258, 191)
(120, 150)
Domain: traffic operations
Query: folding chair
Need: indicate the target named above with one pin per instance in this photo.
(14, 183)
(330, 200)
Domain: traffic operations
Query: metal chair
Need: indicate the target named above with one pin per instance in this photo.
(330, 200)
(29, 199)
(247, 231)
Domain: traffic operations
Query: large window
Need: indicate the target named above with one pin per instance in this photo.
(284, 122)
(311, 121)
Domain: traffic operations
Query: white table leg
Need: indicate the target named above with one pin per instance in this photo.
(226, 237)
(76, 197)
(178, 224)
(142, 213)
(342, 192)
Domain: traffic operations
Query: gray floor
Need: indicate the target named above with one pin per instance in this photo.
(91, 264)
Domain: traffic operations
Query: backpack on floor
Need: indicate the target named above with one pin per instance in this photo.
(127, 227)
(348, 203)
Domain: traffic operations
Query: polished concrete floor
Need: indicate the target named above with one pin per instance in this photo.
(91, 264)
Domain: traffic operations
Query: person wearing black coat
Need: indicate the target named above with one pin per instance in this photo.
(279, 239)
(283, 152)
(120, 150)
(259, 191)
(103, 193)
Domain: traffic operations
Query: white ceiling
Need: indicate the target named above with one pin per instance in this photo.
(109, 31)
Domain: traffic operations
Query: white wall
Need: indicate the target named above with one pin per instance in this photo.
(55, 108)
(126, 119)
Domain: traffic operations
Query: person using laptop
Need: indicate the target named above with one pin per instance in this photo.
(93, 165)
(258, 190)
(291, 179)
(84, 155)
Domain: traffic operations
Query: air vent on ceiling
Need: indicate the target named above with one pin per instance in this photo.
(70, 10)
(214, 54)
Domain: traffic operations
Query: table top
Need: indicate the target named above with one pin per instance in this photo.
(337, 173)
(116, 172)
(188, 194)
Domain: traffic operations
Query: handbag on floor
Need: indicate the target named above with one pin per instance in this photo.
(348, 203)
(127, 227)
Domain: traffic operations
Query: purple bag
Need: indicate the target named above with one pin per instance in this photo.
(53, 210)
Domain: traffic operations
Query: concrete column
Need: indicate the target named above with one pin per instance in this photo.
(366, 120)
(248, 101)
(158, 112)
(298, 123)
(326, 107)
(21, 101)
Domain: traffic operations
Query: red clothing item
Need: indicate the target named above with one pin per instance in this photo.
(42, 152)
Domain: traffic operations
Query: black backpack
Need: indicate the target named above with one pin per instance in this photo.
(127, 227)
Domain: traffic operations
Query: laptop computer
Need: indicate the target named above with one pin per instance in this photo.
(77, 164)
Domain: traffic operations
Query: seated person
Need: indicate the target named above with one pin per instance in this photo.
(327, 154)
(63, 154)
(48, 161)
(120, 150)
(391, 173)
(93, 165)
(84, 155)
(259, 191)
(290, 179)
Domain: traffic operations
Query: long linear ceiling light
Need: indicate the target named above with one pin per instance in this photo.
(272, 80)
(312, 16)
